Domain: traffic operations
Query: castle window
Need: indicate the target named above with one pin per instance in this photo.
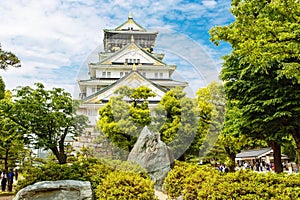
(156, 75)
(108, 74)
(138, 61)
(126, 60)
(121, 74)
(103, 74)
(161, 75)
(92, 112)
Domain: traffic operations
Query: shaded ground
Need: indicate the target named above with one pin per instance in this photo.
(8, 197)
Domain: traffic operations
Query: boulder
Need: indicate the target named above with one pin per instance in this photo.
(152, 154)
(56, 190)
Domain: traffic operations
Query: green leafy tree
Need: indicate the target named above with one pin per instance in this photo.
(8, 59)
(11, 139)
(121, 122)
(265, 42)
(231, 138)
(175, 119)
(211, 108)
(264, 32)
(47, 117)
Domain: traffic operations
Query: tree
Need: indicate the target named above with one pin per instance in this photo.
(175, 119)
(121, 122)
(265, 41)
(231, 138)
(8, 59)
(11, 139)
(47, 117)
(264, 32)
(211, 108)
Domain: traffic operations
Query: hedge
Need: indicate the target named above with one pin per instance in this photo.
(98, 172)
(203, 182)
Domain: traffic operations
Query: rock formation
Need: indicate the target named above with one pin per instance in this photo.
(56, 190)
(152, 154)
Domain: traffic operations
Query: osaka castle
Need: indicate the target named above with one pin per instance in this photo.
(129, 60)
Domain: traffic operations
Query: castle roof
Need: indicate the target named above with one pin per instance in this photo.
(133, 79)
(129, 25)
(119, 56)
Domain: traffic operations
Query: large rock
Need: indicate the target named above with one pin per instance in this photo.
(56, 190)
(152, 154)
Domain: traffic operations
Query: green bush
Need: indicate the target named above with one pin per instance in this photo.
(95, 171)
(175, 180)
(251, 185)
(195, 182)
(126, 166)
(79, 170)
(125, 185)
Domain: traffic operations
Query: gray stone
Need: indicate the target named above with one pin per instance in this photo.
(152, 154)
(56, 190)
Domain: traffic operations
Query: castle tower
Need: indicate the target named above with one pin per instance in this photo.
(128, 59)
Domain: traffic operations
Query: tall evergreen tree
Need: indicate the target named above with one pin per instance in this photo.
(262, 71)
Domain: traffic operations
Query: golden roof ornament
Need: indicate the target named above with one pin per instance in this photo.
(134, 68)
(130, 15)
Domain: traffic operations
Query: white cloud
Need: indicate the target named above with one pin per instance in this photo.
(209, 3)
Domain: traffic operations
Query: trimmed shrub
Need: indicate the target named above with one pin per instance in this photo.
(195, 182)
(79, 170)
(97, 172)
(125, 185)
(175, 180)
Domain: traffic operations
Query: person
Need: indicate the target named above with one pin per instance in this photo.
(3, 181)
(16, 174)
(10, 176)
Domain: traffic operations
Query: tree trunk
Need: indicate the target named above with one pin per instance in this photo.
(277, 156)
(296, 136)
(61, 157)
(231, 156)
(6, 161)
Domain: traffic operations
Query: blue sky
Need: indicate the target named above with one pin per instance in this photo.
(55, 39)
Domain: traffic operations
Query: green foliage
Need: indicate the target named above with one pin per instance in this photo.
(98, 172)
(125, 185)
(262, 72)
(231, 138)
(80, 170)
(200, 182)
(176, 178)
(122, 122)
(46, 117)
(211, 108)
(175, 119)
(2, 88)
(8, 59)
(264, 32)
(11, 140)
(125, 166)
(251, 185)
